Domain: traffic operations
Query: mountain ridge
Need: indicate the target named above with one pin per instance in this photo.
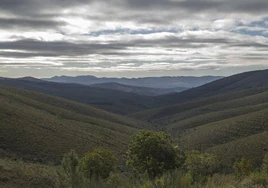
(152, 82)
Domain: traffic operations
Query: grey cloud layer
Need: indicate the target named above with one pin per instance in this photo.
(131, 35)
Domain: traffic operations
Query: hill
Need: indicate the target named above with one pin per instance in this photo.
(115, 101)
(226, 89)
(146, 91)
(151, 82)
(254, 80)
(216, 116)
(41, 128)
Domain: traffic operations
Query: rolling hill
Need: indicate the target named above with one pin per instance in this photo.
(41, 128)
(229, 88)
(213, 117)
(151, 82)
(146, 91)
(115, 101)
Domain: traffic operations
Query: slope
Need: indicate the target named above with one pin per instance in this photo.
(226, 89)
(229, 114)
(254, 80)
(109, 99)
(147, 91)
(42, 128)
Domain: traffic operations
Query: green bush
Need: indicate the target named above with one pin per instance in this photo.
(242, 167)
(98, 164)
(200, 165)
(69, 174)
(259, 178)
(154, 153)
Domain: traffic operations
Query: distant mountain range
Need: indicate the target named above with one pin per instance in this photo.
(151, 82)
(112, 100)
(147, 91)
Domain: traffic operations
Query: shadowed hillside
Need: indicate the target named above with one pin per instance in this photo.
(147, 91)
(218, 115)
(42, 128)
(152, 82)
(255, 80)
(109, 99)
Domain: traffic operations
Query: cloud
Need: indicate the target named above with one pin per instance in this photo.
(17, 23)
(133, 35)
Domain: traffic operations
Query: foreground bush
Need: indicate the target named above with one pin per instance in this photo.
(200, 165)
(69, 175)
(153, 153)
(98, 164)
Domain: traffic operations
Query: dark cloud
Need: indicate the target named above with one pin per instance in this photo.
(54, 48)
(59, 48)
(44, 13)
(32, 7)
(193, 6)
(251, 44)
(18, 23)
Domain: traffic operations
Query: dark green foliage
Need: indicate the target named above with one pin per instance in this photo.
(98, 164)
(70, 175)
(200, 164)
(17, 174)
(242, 167)
(259, 178)
(154, 153)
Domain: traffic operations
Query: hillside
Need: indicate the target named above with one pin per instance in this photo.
(151, 82)
(254, 80)
(42, 128)
(138, 90)
(226, 89)
(229, 111)
(115, 101)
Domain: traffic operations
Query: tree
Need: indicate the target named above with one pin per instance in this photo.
(200, 163)
(69, 175)
(242, 167)
(98, 164)
(154, 153)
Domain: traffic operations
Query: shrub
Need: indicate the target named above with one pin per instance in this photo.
(98, 164)
(242, 167)
(200, 165)
(69, 174)
(259, 178)
(154, 153)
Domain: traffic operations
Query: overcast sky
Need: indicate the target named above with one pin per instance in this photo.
(132, 38)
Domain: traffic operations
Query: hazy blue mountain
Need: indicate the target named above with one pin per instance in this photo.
(116, 101)
(152, 82)
(147, 91)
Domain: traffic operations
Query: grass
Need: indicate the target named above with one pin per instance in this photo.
(42, 128)
(252, 147)
(218, 114)
(220, 132)
(17, 174)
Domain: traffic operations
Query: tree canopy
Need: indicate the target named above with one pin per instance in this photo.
(154, 153)
(98, 163)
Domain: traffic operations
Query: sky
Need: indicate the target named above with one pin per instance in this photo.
(132, 38)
